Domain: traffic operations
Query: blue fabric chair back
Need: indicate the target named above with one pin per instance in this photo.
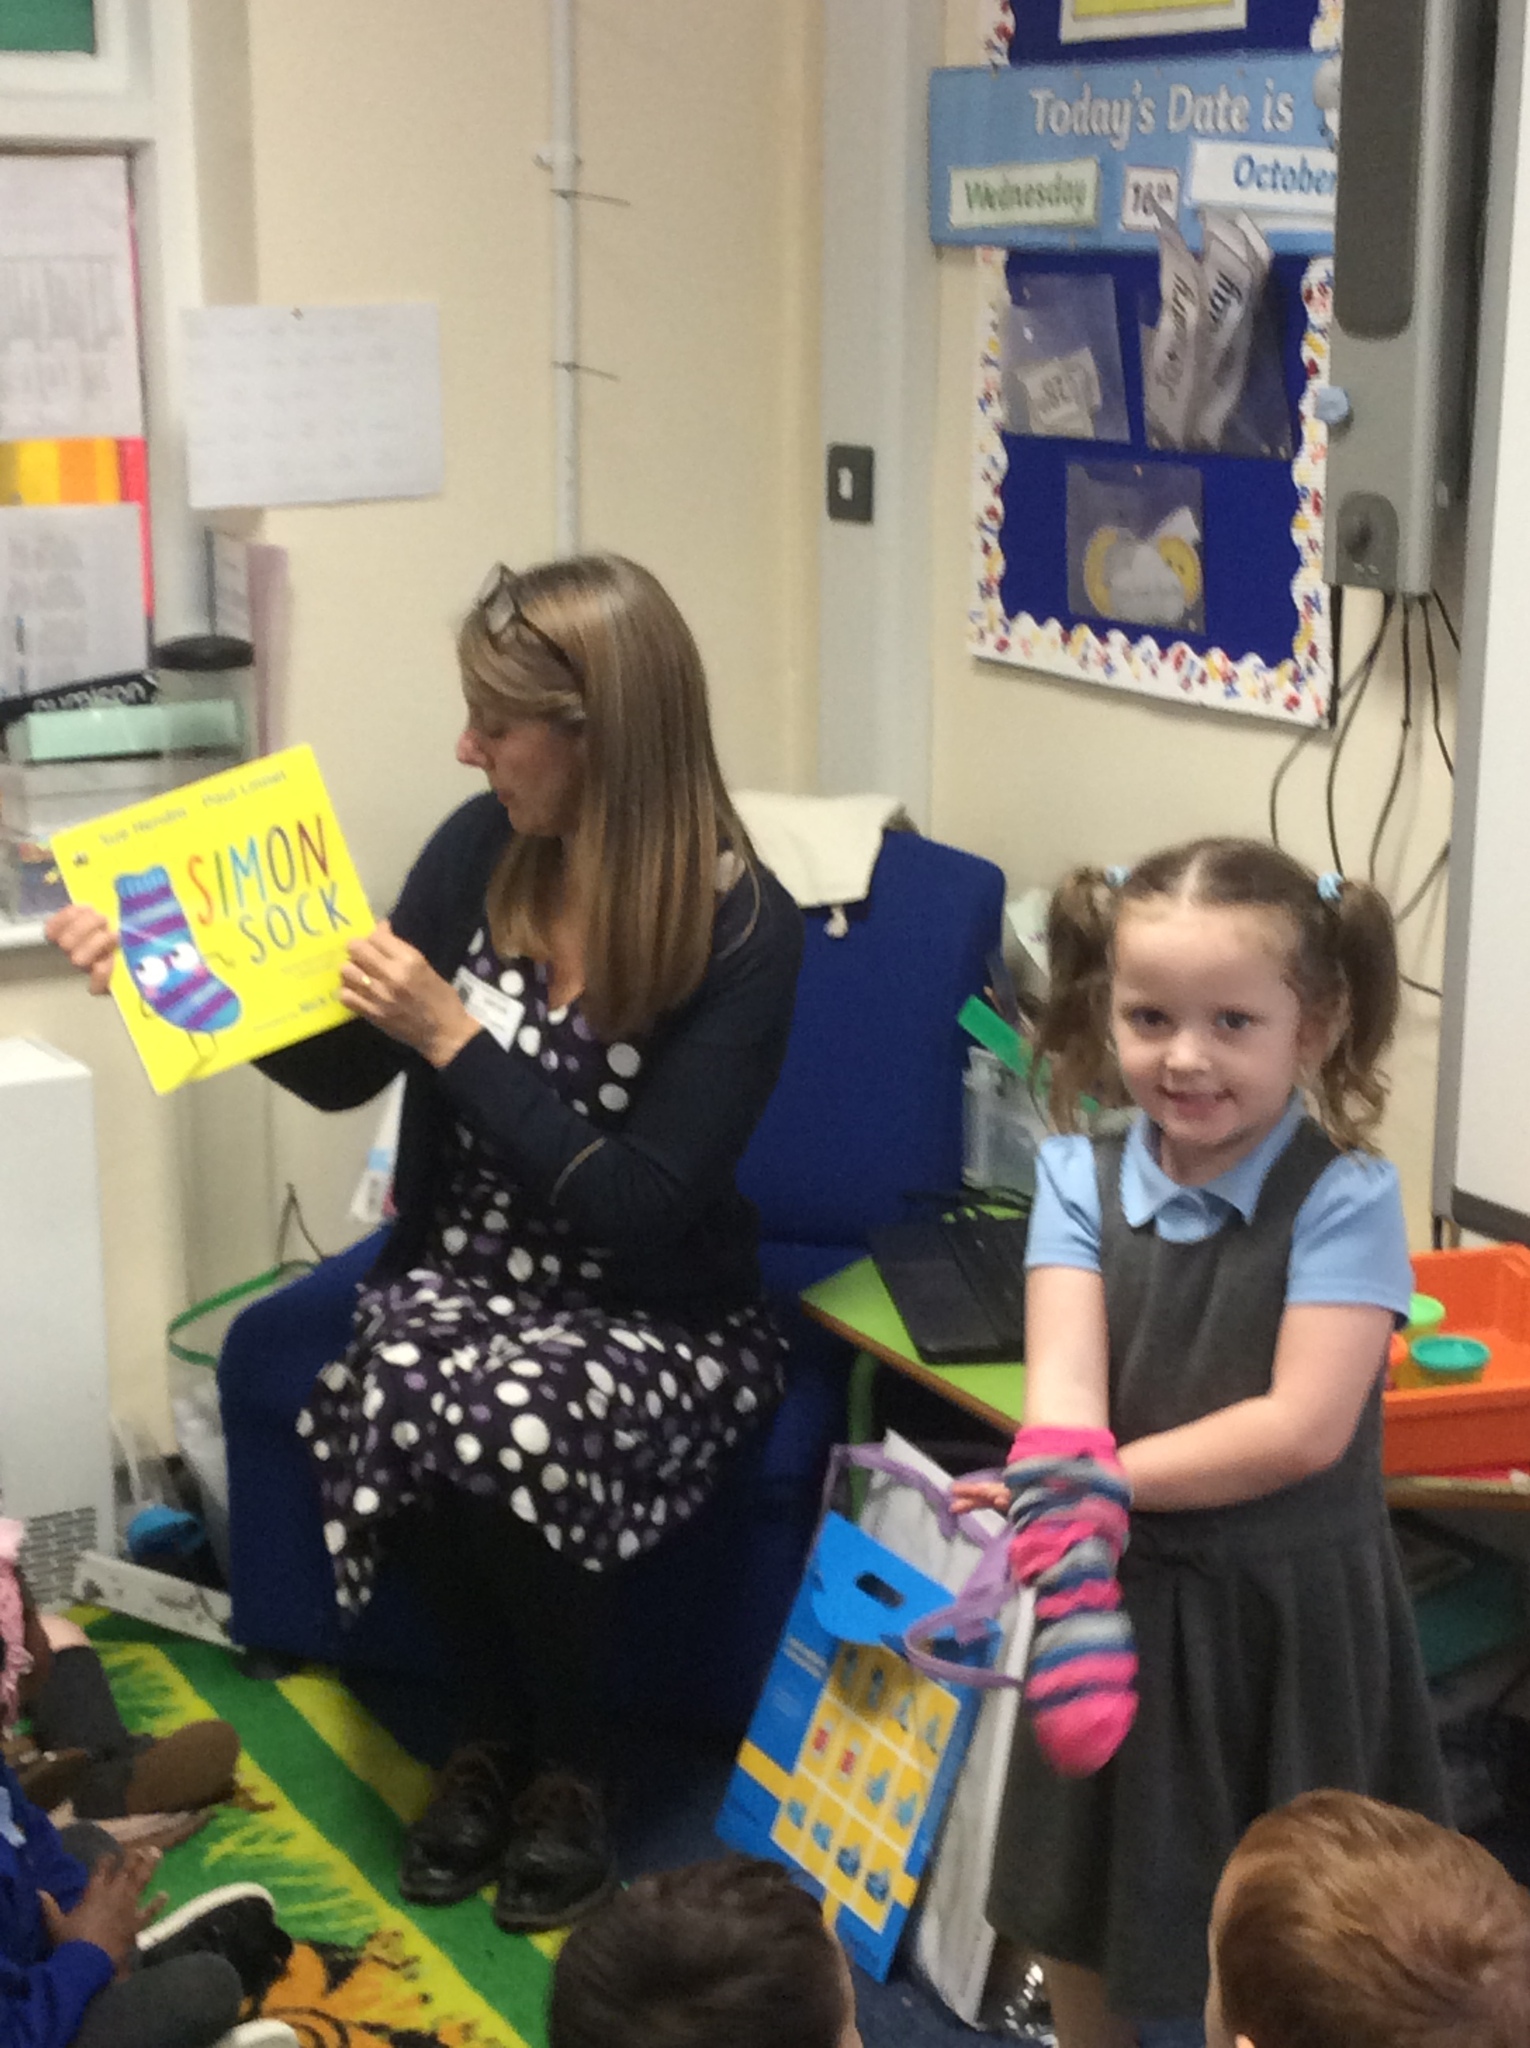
(869, 1105)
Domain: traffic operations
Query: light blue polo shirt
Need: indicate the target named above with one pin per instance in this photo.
(1349, 1243)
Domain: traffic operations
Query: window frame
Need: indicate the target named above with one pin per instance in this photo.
(136, 98)
(67, 73)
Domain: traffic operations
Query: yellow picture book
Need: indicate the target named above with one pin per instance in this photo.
(235, 899)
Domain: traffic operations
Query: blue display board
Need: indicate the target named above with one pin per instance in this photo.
(1149, 480)
(1052, 156)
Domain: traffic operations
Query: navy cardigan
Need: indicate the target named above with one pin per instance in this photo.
(658, 1191)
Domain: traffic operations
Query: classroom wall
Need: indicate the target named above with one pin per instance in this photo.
(368, 150)
(361, 151)
(394, 157)
(1040, 775)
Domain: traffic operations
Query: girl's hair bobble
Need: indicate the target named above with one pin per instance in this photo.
(1117, 878)
(1330, 886)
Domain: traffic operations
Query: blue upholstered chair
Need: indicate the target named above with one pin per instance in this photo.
(867, 1110)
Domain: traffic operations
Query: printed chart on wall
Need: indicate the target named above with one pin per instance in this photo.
(76, 584)
(1149, 185)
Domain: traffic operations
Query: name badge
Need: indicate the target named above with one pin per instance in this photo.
(499, 1014)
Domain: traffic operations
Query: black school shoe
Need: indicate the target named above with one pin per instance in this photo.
(559, 1863)
(458, 1844)
(237, 1922)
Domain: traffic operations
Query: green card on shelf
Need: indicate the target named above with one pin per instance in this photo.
(985, 1024)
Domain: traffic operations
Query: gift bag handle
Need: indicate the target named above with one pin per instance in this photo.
(982, 1599)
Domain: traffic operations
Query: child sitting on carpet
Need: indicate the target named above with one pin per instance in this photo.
(80, 1964)
(82, 1751)
(725, 1951)
(1343, 1923)
(87, 1755)
(81, 1967)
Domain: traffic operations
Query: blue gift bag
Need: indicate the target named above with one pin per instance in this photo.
(852, 1752)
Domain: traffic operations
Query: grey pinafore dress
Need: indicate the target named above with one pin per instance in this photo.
(1276, 1640)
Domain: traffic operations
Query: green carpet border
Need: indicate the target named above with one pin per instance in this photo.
(334, 1799)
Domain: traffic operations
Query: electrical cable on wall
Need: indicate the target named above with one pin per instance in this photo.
(292, 1217)
(1445, 619)
(1434, 685)
(1441, 861)
(1347, 726)
(1432, 873)
(1355, 690)
(1400, 759)
(1359, 675)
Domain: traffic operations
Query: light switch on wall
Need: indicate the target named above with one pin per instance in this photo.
(849, 483)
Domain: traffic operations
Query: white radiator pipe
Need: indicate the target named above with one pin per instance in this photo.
(563, 162)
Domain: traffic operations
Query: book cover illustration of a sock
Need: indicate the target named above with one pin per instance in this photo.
(163, 958)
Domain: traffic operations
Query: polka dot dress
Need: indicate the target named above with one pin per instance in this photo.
(499, 1364)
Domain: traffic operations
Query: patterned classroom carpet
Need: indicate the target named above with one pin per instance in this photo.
(325, 1795)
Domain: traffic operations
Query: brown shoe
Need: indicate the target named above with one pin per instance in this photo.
(192, 1767)
(50, 1776)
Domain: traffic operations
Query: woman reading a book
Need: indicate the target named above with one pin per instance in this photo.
(587, 984)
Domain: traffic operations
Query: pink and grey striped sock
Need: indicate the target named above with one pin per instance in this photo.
(1069, 1504)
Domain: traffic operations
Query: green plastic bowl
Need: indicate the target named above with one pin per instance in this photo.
(1450, 1361)
(1425, 1315)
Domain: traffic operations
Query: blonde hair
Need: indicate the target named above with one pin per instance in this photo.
(1344, 1923)
(1341, 964)
(655, 817)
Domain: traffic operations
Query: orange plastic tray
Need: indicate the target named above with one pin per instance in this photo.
(1450, 1429)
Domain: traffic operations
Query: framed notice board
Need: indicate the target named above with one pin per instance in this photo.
(1150, 186)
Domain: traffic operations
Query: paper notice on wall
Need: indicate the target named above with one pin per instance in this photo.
(312, 405)
(71, 595)
(68, 308)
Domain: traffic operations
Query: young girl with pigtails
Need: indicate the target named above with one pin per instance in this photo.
(1196, 1490)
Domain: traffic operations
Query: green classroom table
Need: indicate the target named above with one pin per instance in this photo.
(856, 1306)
